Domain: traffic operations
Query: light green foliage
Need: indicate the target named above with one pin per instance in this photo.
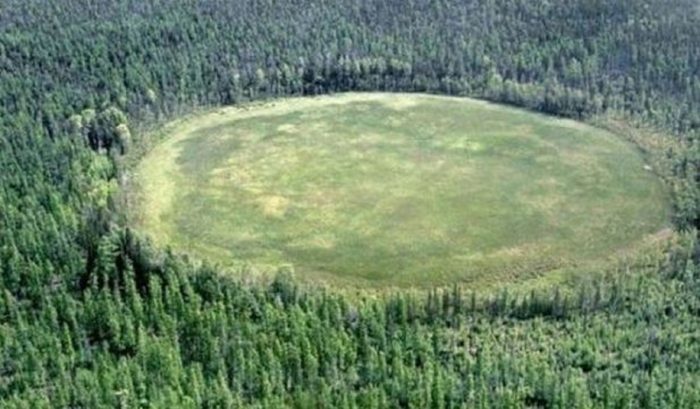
(92, 316)
(399, 189)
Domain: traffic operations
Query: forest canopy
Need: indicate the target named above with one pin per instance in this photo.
(92, 315)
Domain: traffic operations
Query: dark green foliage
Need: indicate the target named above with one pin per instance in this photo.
(189, 336)
(92, 317)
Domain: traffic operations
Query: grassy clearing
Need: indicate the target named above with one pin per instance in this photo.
(377, 190)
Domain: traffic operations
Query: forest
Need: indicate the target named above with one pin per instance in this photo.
(92, 315)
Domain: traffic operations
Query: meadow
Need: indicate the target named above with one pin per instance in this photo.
(398, 190)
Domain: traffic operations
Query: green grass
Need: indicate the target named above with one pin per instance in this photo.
(377, 190)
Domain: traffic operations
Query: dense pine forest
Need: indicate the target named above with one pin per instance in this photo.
(92, 315)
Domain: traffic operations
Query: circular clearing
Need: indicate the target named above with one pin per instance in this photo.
(397, 190)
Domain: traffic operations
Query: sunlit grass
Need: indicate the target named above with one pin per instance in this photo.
(398, 190)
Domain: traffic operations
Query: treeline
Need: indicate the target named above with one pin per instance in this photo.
(156, 60)
(92, 317)
(163, 333)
